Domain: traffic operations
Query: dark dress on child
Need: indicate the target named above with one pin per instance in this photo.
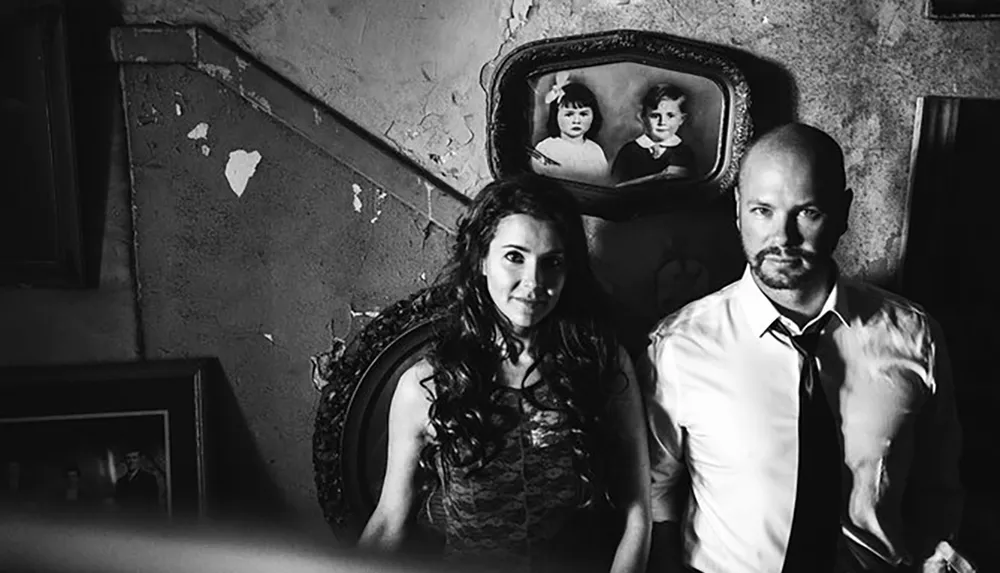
(634, 161)
(519, 512)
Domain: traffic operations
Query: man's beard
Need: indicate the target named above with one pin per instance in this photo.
(793, 276)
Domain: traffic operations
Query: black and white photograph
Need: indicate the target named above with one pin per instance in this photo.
(115, 463)
(626, 123)
(118, 440)
(629, 121)
(505, 286)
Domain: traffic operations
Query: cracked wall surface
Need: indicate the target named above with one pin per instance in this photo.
(415, 73)
(260, 253)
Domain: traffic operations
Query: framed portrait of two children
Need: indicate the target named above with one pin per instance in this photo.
(629, 121)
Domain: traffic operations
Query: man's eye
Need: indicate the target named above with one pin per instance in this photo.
(812, 214)
(762, 211)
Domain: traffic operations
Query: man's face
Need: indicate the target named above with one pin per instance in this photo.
(789, 224)
(662, 122)
(132, 461)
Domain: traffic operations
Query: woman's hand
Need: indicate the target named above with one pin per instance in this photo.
(628, 423)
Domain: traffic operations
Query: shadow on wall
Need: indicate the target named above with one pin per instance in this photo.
(240, 487)
(655, 264)
(773, 93)
(95, 96)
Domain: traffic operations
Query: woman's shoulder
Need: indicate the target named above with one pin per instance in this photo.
(416, 383)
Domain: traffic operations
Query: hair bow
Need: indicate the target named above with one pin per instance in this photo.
(556, 92)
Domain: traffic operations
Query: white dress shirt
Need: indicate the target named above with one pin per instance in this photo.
(723, 405)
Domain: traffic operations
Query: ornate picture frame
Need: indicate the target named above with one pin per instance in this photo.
(351, 425)
(630, 159)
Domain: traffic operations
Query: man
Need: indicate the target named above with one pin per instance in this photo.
(801, 422)
(137, 490)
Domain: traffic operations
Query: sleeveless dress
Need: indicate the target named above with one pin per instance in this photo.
(519, 511)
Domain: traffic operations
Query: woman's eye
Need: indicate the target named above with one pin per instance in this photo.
(554, 263)
(514, 257)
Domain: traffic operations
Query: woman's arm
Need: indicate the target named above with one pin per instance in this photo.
(408, 432)
(628, 423)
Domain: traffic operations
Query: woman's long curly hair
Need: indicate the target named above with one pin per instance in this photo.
(574, 347)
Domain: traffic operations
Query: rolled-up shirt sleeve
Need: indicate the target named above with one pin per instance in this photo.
(666, 433)
(935, 493)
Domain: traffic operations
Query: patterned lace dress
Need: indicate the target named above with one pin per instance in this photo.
(519, 512)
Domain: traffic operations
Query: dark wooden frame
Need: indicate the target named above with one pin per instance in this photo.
(176, 386)
(44, 23)
(353, 410)
(962, 9)
(512, 102)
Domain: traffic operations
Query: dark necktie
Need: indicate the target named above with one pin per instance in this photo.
(812, 544)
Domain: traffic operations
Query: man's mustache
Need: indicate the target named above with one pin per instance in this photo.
(784, 252)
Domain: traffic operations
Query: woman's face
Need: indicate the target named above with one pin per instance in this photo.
(525, 270)
(574, 122)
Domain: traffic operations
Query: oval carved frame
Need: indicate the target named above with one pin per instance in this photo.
(349, 431)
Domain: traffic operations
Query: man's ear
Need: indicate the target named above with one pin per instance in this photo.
(736, 205)
(845, 208)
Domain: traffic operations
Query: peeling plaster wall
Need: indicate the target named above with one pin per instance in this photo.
(412, 72)
(256, 247)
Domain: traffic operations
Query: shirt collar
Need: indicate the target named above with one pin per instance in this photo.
(646, 143)
(761, 312)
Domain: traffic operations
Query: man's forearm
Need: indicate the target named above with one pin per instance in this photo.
(666, 554)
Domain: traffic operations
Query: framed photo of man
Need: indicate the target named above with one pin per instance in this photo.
(629, 121)
(122, 439)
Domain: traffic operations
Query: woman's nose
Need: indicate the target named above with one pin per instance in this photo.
(533, 277)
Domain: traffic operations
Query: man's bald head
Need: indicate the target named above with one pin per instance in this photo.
(792, 207)
(804, 147)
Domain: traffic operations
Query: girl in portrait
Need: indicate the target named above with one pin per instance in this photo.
(523, 425)
(570, 151)
(659, 152)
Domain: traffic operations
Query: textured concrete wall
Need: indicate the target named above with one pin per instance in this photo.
(411, 72)
(250, 242)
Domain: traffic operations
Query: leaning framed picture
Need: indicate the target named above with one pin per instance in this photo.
(117, 438)
(962, 9)
(629, 121)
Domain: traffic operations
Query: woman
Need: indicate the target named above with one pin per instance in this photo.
(525, 419)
